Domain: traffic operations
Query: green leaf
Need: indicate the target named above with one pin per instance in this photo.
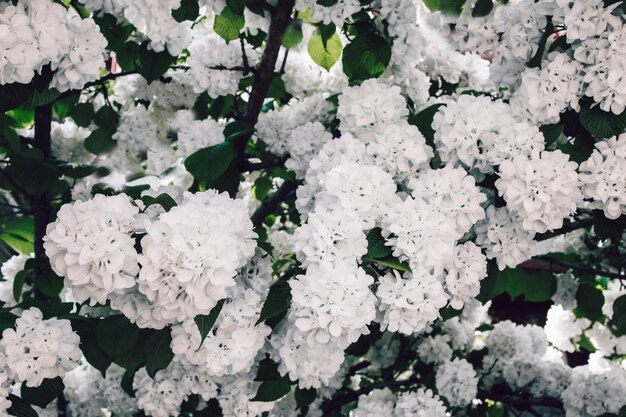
(20, 235)
(82, 113)
(45, 393)
(452, 7)
(277, 302)
(205, 322)
(158, 351)
(42, 97)
(228, 181)
(210, 163)
(49, 283)
(236, 6)
(273, 390)
(7, 321)
(100, 142)
(551, 133)
(163, 199)
(14, 95)
(326, 3)
(433, 5)
(534, 286)
(116, 335)
(482, 8)
(150, 64)
(324, 56)
(126, 56)
(237, 129)
(393, 263)
(277, 89)
(188, 10)
(18, 284)
(602, 124)
(305, 397)
(293, 35)
(535, 61)
(366, 56)
(228, 24)
(589, 302)
(76, 170)
(116, 33)
(262, 186)
(376, 247)
(86, 329)
(605, 228)
(619, 314)
(31, 172)
(107, 118)
(20, 408)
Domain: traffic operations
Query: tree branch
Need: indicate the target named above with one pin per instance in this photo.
(549, 264)
(565, 229)
(271, 203)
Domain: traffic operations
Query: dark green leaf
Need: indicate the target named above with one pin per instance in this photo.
(293, 35)
(551, 133)
(533, 286)
(86, 329)
(49, 283)
(100, 142)
(42, 97)
(376, 247)
(228, 24)
(452, 7)
(126, 56)
(20, 408)
(107, 118)
(210, 163)
(433, 5)
(277, 302)
(482, 8)
(273, 390)
(393, 263)
(619, 314)
(205, 322)
(158, 351)
(236, 6)
(277, 89)
(602, 124)
(19, 234)
(268, 371)
(150, 64)
(45, 393)
(18, 284)
(116, 33)
(589, 302)
(116, 335)
(31, 172)
(7, 320)
(535, 61)
(606, 228)
(326, 3)
(82, 114)
(76, 170)
(188, 10)
(305, 397)
(163, 199)
(366, 56)
(262, 185)
(14, 95)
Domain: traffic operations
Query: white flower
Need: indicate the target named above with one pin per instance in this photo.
(421, 403)
(435, 349)
(562, 328)
(333, 302)
(303, 144)
(19, 50)
(543, 190)
(90, 245)
(463, 274)
(38, 349)
(336, 13)
(408, 305)
(378, 402)
(191, 254)
(592, 394)
(603, 176)
(198, 134)
(9, 270)
(457, 381)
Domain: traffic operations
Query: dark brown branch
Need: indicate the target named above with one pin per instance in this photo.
(270, 204)
(257, 166)
(565, 229)
(549, 264)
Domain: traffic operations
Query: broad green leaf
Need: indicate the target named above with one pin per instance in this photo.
(188, 10)
(45, 393)
(376, 247)
(14, 95)
(273, 390)
(551, 133)
(535, 61)
(116, 32)
(7, 320)
(605, 228)
(277, 302)
(433, 5)
(452, 7)
(116, 335)
(210, 163)
(31, 172)
(326, 56)
(100, 142)
(293, 35)
(589, 302)
(262, 185)
(304, 397)
(107, 118)
(236, 6)
(205, 322)
(150, 64)
(86, 329)
(602, 124)
(42, 97)
(18, 284)
(228, 24)
(619, 314)
(158, 351)
(82, 114)
(482, 8)
(163, 199)
(20, 235)
(366, 56)
(533, 286)
(20, 408)
(76, 170)
(393, 263)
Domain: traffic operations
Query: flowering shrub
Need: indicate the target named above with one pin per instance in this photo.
(317, 208)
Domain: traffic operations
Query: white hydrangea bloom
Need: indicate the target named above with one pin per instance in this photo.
(585, 20)
(435, 349)
(457, 381)
(453, 192)
(566, 287)
(398, 147)
(236, 394)
(191, 254)
(378, 402)
(19, 49)
(504, 238)
(198, 134)
(370, 103)
(5, 390)
(603, 176)
(365, 190)
(409, 305)
(543, 190)
(421, 403)
(38, 349)
(562, 329)
(206, 54)
(138, 309)
(113, 7)
(333, 302)
(303, 144)
(68, 142)
(9, 269)
(329, 236)
(89, 244)
(463, 274)
(592, 394)
(336, 13)
(302, 357)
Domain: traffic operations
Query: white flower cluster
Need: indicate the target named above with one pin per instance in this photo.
(38, 349)
(38, 33)
(89, 244)
(592, 394)
(336, 13)
(603, 176)
(457, 381)
(9, 270)
(383, 402)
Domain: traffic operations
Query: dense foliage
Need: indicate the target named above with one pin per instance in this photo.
(315, 208)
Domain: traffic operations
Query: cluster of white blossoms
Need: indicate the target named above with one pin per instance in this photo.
(422, 402)
(38, 349)
(9, 271)
(39, 33)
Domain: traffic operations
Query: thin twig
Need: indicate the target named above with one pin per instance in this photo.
(549, 264)
(273, 201)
